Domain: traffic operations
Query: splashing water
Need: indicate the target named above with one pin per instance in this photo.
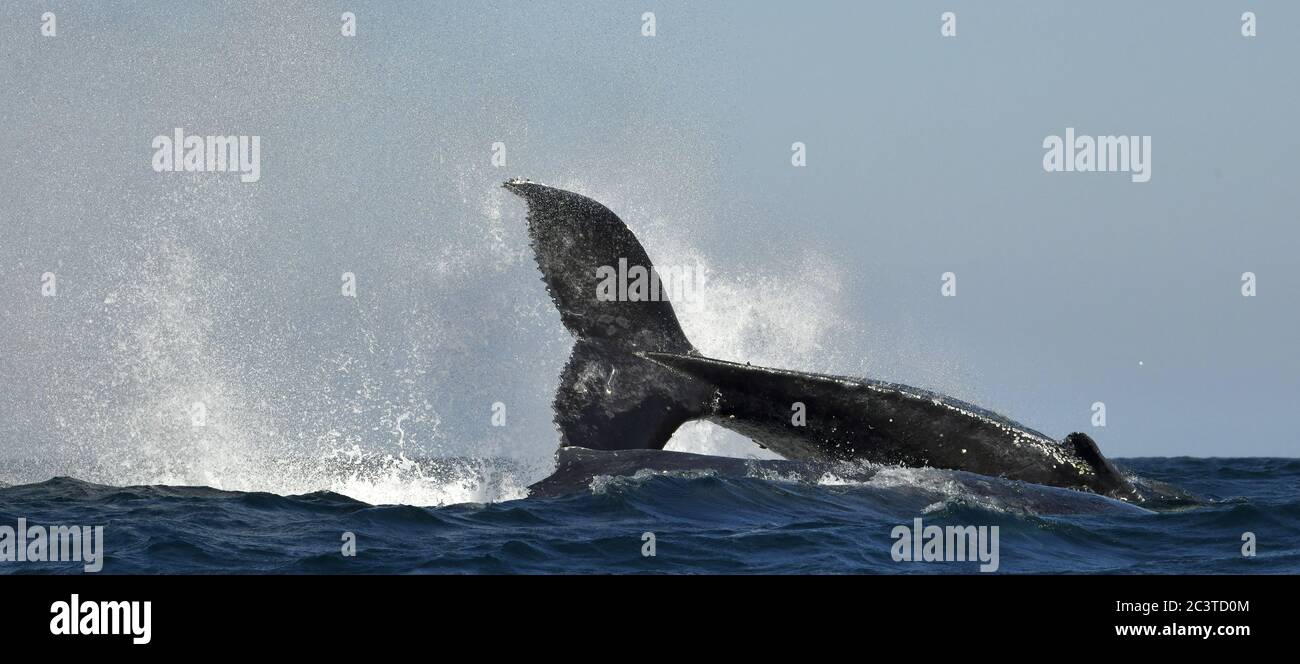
(204, 363)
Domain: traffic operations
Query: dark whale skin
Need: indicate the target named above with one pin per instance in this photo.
(633, 378)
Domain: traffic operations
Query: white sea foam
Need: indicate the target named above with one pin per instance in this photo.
(384, 479)
(602, 484)
(942, 484)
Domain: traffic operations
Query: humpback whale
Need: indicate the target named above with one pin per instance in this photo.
(578, 469)
(633, 378)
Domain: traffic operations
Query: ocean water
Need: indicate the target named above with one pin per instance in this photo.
(702, 521)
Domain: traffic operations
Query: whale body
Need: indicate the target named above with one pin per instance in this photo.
(633, 378)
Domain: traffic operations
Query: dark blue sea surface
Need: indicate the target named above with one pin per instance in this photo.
(702, 523)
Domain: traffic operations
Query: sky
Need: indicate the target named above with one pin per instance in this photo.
(924, 156)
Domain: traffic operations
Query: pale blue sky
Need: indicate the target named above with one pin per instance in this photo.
(924, 156)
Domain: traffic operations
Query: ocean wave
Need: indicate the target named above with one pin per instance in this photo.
(702, 520)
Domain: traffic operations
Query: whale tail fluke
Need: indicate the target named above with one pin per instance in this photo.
(610, 396)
